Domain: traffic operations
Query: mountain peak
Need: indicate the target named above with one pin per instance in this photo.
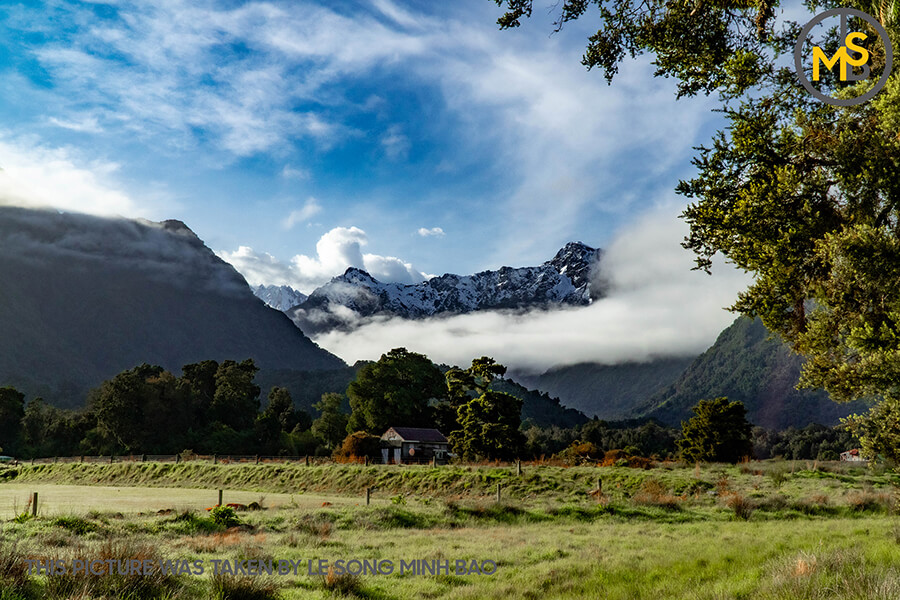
(355, 275)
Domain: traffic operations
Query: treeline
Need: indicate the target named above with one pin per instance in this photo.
(215, 408)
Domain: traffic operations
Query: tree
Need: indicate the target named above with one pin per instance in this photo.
(145, 409)
(462, 386)
(396, 390)
(800, 193)
(281, 407)
(12, 409)
(331, 426)
(236, 399)
(489, 428)
(718, 432)
(358, 445)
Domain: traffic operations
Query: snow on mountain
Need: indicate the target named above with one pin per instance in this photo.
(279, 297)
(346, 300)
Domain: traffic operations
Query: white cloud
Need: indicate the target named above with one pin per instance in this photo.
(291, 172)
(657, 306)
(39, 176)
(433, 232)
(88, 124)
(336, 250)
(310, 209)
(396, 145)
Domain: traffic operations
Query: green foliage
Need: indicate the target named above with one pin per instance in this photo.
(396, 390)
(12, 410)
(489, 428)
(143, 409)
(878, 430)
(76, 525)
(719, 432)
(224, 516)
(331, 426)
(281, 407)
(236, 399)
(580, 453)
(800, 193)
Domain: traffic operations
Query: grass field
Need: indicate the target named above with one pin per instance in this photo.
(762, 530)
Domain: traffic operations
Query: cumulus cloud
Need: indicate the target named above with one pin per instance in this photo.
(310, 209)
(657, 306)
(336, 250)
(433, 232)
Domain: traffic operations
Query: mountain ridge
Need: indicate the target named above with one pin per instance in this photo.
(86, 297)
(342, 303)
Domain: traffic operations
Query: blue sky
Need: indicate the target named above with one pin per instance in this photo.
(296, 138)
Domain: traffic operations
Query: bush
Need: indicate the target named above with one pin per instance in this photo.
(579, 453)
(654, 493)
(742, 506)
(358, 445)
(224, 516)
(231, 587)
(344, 584)
(112, 584)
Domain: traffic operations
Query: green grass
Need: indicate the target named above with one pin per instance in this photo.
(668, 533)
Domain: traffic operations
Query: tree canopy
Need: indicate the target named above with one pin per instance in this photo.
(718, 432)
(395, 390)
(800, 193)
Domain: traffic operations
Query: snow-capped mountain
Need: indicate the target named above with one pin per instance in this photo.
(279, 297)
(356, 295)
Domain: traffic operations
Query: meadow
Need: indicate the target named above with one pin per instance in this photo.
(772, 529)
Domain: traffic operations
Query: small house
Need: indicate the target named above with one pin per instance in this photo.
(413, 444)
(852, 456)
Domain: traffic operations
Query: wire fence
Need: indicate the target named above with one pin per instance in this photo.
(224, 459)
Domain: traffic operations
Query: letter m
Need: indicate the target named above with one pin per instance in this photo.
(819, 55)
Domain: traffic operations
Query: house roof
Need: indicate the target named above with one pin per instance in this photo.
(417, 434)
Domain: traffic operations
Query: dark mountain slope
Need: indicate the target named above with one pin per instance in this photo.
(610, 392)
(83, 298)
(748, 365)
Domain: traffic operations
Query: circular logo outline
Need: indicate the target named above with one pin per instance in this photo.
(888, 57)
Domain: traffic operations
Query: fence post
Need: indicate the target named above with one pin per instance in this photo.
(307, 460)
(110, 459)
(518, 468)
(177, 458)
(367, 460)
(215, 459)
(599, 486)
(220, 498)
(143, 458)
(368, 492)
(34, 504)
(257, 459)
(82, 458)
(498, 492)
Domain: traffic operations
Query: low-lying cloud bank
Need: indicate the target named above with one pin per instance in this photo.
(657, 306)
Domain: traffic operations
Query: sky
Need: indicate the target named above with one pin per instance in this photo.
(408, 138)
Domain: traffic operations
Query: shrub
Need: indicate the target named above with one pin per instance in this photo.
(231, 587)
(110, 583)
(224, 516)
(76, 525)
(654, 493)
(742, 506)
(358, 445)
(344, 584)
(579, 453)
